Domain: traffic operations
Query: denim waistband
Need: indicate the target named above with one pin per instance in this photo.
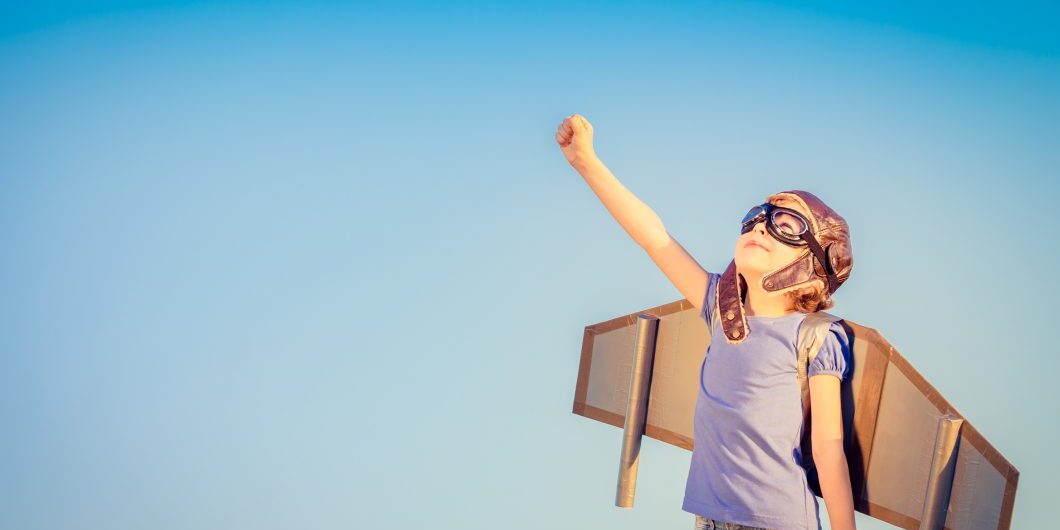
(706, 523)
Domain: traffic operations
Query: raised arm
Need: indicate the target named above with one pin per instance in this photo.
(575, 137)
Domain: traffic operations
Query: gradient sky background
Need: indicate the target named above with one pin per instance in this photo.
(317, 266)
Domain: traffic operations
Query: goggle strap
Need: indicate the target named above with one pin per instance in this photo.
(815, 247)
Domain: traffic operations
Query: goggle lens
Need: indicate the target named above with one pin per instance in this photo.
(754, 216)
(785, 225)
(788, 224)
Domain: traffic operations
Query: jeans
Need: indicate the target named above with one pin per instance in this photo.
(705, 523)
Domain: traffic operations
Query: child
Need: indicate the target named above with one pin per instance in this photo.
(792, 254)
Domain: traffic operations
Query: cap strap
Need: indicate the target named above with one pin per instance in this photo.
(815, 247)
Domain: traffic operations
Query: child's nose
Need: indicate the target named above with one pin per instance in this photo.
(761, 227)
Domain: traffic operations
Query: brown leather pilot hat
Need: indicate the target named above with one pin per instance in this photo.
(830, 234)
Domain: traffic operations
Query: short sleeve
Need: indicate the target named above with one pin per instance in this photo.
(707, 311)
(835, 357)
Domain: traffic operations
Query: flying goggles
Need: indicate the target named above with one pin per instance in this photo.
(784, 224)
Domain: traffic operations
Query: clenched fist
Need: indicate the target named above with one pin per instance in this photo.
(575, 138)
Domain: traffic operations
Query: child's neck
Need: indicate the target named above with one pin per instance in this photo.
(760, 302)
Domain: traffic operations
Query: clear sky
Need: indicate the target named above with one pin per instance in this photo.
(317, 266)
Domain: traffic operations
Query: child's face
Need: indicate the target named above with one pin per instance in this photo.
(758, 253)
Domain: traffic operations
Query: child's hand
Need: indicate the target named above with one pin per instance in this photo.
(575, 138)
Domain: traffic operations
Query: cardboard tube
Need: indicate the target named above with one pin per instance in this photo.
(940, 481)
(636, 408)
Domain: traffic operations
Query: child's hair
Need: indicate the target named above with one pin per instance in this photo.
(810, 299)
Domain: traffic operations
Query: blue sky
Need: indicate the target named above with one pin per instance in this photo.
(323, 266)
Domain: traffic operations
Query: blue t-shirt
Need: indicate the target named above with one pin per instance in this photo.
(746, 463)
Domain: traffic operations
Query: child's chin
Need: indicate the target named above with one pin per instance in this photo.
(751, 266)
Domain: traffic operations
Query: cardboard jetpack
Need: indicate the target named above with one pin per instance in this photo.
(914, 461)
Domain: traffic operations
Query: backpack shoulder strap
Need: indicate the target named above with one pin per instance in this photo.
(812, 332)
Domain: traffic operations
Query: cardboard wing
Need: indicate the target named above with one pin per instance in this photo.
(891, 414)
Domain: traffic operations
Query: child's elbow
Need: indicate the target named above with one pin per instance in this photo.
(827, 449)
